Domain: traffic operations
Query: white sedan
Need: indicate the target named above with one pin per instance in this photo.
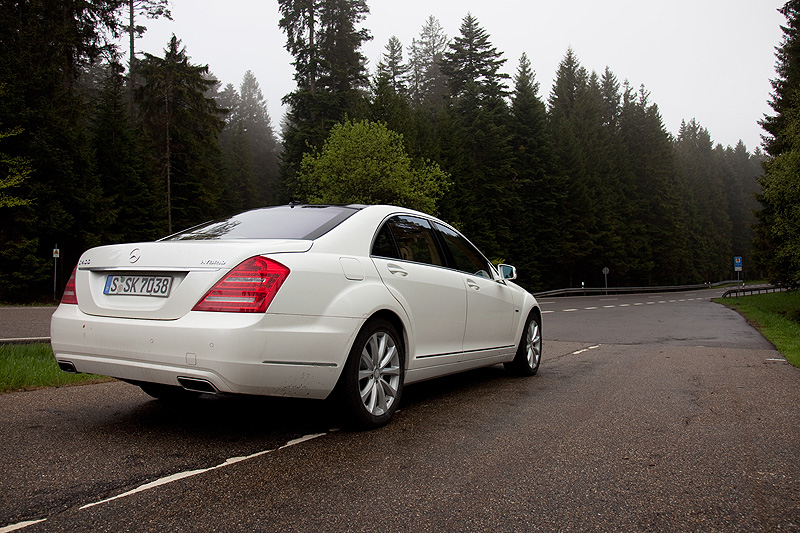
(298, 300)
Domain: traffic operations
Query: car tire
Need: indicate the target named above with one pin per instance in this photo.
(529, 353)
(371, 384)
(168, 393)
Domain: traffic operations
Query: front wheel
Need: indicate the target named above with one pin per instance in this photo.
(372, 379)
(529, 353)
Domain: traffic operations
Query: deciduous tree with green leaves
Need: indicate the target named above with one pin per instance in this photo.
(366, 163)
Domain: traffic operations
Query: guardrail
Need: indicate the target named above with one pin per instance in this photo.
(742, 291)
(588, 291)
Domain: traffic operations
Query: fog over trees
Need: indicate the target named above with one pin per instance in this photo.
(561, 181)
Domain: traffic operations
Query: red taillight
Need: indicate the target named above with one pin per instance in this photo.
(69, 296)
(248, 288)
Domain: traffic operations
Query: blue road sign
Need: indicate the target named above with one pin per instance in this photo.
(737, 264)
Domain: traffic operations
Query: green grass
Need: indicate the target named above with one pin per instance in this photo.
(776, 315)
(32, 366)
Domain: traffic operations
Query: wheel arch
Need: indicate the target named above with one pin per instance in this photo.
(395, 320)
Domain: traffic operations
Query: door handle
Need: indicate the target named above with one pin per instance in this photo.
(394, 269)
(473, 285)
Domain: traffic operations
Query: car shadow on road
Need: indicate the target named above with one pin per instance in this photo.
(230, 417)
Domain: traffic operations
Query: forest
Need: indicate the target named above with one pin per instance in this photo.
(94, 151)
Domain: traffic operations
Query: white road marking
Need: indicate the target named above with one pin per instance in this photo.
(569, 310)
(545, 312)
(15, 527)
(609, 306)
(577, 352)
(589, 308)
(190, 473)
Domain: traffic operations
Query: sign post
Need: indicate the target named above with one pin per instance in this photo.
(737, 266)
(605, 275)
(56, 255)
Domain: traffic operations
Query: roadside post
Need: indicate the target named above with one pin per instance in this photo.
(56, 255)
(737, 266)
(605, 275)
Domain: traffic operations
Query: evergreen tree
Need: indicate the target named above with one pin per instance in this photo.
(390, 103)
(778, 229)
(707, 208)
(485, 197)
(391, 69)
(120, 166)
(44, 47)
(129, 10)
(535, 235)
(255, 120)
(330, 71)
(575, 212)
(183, 126)
(740, 173)
(660, 252)
(427, 84)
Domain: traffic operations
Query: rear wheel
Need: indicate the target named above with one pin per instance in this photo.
(529, 353)
(372, 379)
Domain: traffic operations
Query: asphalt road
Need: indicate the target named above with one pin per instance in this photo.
(669, 415)
(25, 322)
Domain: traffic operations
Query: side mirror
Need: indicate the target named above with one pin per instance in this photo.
(507, 272)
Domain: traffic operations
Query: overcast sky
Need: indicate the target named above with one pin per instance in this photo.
(710, 60)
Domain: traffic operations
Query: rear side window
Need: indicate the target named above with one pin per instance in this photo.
(384, 244)
(408, 238)
(281, 222)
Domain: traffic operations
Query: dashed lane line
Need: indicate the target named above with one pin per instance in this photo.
(635, 304)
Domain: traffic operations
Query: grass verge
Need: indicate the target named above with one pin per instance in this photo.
(777, 317)
(32, 366)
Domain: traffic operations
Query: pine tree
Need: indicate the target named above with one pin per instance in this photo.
(260, 137)
(120, 166)
(707, 207)
(535, 235)
(330, 71)
(485, 197)
(46, 44)
(778, 229)
(427, 84)
(129, 10)
(660, 251)
(183, 126)
(390, 102)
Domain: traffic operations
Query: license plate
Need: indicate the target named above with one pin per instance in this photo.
(138, 285)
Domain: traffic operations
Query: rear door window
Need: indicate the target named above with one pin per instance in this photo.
(410, 239)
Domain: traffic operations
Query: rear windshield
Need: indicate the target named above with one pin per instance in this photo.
(282, 222)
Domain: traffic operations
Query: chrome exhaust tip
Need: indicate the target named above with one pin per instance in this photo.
(67, 366)
(202, 386)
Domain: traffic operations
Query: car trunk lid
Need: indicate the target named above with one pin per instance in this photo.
(162, 280)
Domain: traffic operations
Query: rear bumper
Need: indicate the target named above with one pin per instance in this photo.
(264, 354)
